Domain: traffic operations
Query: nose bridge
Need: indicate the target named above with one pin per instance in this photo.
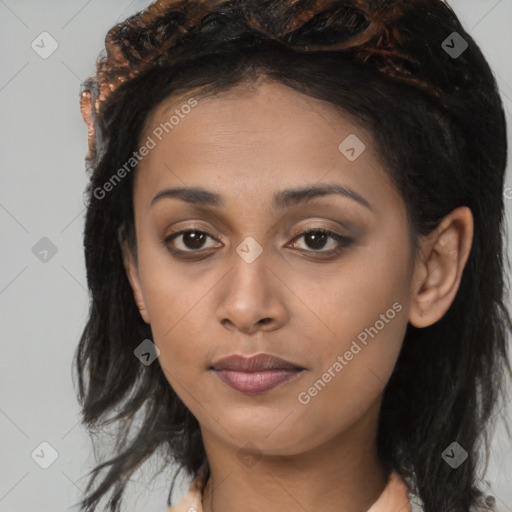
(249, 277)
(251, 293)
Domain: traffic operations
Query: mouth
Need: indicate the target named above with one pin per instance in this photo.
(255, 374)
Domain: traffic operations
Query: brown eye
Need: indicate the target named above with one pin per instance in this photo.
(191, 240)
(316, 239)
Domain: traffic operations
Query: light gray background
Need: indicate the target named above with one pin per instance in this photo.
(43, 306)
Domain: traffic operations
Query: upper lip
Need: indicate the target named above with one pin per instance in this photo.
(254, 363)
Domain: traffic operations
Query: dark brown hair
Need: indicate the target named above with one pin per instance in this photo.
(439, 126)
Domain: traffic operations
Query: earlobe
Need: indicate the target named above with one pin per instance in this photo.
(132, 273)
(439, 271)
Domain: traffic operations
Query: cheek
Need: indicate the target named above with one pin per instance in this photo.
(352, 378)
(356, 295)
(176, 310)
(364, 305)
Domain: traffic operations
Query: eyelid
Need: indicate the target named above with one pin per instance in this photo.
(348, 229)
(324, 225)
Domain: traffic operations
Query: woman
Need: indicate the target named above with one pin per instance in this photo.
(294, 250)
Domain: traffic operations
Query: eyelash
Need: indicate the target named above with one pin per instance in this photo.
(342, 241)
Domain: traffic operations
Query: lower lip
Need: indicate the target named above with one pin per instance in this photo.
(256, 382)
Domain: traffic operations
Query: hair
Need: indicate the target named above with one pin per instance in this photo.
(439, 127)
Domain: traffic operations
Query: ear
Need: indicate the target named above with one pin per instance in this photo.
(132, 272)
(438, 271)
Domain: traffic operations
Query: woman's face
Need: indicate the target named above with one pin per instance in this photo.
(247, 280)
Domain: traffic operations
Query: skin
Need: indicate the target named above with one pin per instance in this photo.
(246, 145)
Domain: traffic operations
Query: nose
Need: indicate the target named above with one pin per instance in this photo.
(252, 297)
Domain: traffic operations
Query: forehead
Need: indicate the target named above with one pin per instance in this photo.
(263, 107)
(255, 139)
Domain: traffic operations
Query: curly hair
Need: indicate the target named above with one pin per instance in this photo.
(439, 125)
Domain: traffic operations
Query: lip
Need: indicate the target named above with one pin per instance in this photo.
(255, 374)
(256, 382)
(258, 362)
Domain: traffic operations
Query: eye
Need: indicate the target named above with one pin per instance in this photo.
(317, 238)
(191, 240)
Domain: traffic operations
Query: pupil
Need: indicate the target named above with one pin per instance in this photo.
(193, 240)
(317, 237)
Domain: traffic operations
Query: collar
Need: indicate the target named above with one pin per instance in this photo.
(395, 496)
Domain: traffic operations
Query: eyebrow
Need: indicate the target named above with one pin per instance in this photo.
(281, 199)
